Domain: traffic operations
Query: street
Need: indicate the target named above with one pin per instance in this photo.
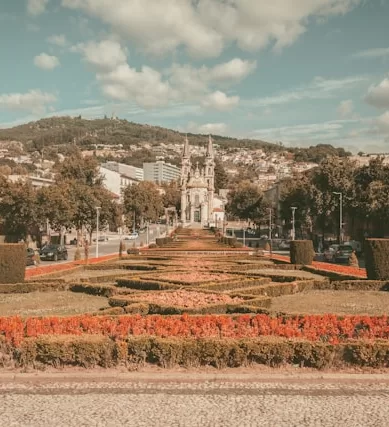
(156, 398)
(112, 245)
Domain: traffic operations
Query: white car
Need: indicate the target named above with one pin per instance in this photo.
(132, 236)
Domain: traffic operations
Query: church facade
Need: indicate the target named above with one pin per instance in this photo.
(197, 187)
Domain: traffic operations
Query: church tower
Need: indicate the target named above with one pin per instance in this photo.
(186, 166)
(209, 175)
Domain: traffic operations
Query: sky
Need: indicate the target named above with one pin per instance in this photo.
(300, 72)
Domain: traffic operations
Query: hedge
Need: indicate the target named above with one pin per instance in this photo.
(89, 351)
(353, 285)
(27, 287)
(235, 284)
(95, 289)
(301, 252)
(277, 289)
(12, 262)
(377, 259)
(145, 285)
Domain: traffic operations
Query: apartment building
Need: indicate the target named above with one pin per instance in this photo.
(160, 172)
(127, 170)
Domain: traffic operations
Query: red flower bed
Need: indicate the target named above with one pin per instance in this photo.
(47, 269)
(326, 328)
(341, 269)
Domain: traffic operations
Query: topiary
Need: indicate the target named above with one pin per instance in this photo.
(376, 259)
(301, 252)
(353, 260)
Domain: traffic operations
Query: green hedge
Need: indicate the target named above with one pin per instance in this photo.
(12, 262)
(95, 289)
(94, 350)
(301, 252)
(377, 259)
(27, 287)
(353, 285)
(145, 285)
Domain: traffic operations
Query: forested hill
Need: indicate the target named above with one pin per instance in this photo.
(86, 133)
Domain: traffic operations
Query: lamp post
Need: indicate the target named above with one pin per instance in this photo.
(244, 236)
(293, 222)
(97, 230)
(147, 233)
(340, 215)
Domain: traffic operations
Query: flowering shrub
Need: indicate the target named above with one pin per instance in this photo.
(326, 328)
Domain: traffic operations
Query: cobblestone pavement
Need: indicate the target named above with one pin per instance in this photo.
(205, 402)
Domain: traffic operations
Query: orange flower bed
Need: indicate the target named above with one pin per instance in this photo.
(187, 299)
(325, 328)
(54, 268)
(324, 266)
(195, 277)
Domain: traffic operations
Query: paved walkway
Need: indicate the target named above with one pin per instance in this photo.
(216, 400)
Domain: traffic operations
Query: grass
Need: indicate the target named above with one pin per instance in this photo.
(61, 303)
(336, 302)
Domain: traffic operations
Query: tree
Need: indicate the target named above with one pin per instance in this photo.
(246, 201)
(143, 200)
(57, 205)
(18, 208)
(172, 196)
(83, 170)
(221, 177)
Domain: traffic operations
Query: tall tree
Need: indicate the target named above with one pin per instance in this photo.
(143, 200)
(246, 201)
(172, 195)
(221, 177)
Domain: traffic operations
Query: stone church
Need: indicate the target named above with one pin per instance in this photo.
(197, 187)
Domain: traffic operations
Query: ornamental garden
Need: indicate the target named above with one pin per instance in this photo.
(195, 299)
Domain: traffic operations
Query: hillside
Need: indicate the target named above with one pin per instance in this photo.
(87, 133)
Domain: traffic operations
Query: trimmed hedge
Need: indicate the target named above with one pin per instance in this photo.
(12, 262)
(27, 287)
(145, 285)
(95, 289)
(89, 351)
(353, 285)
(377, 259)
(277, 289)
(301, 252)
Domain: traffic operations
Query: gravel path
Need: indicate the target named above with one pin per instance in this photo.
(213, 401)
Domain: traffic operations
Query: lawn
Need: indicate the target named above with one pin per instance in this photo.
(60, 303)
(336, 302)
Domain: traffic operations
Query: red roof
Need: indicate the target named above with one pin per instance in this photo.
(218, 210)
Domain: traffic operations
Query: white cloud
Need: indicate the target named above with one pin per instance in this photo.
(36, 7)
(205, 27)
(46, 62)
(220, 101)
(345, 108)
(372, 53)
(234, 70)
(319, 88)
(104, 56)
(208, 128)
(378, 96)
(150, 88)
(382, 123)
(58, 40)
(34, 101)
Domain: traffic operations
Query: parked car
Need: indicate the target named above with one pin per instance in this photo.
(329, 254)
(284, 245)
(30, 256)
(343, 253)
(250, 231)
(53, 253)
(102, 239)
(132, 236)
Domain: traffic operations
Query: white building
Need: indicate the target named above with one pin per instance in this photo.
(36, 181)
(130, 171)
(116, 182)
(160, 172)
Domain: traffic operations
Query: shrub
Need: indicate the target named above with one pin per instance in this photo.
(94, 289)
(376, 259)
(133, 251)
(353, 260)
(152, 246)
(301, 252)
(12, 262)
(267, 247)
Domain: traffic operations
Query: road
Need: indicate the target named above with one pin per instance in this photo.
(112, 245)
(157, 399)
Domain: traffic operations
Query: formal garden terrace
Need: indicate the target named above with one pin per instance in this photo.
(172, 306)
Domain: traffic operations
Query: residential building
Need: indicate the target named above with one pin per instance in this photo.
(160, 172)
(127, 170)
(116, 182)
(36, 181)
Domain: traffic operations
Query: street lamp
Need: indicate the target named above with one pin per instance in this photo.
(97, 230)
(293, 222)
(340, 215)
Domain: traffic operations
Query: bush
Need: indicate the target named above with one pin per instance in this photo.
(301, 252)
(152, 246)
(94, 289)
(12, 262)
(376, 259)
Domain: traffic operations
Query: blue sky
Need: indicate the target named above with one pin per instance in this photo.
(298, 71)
